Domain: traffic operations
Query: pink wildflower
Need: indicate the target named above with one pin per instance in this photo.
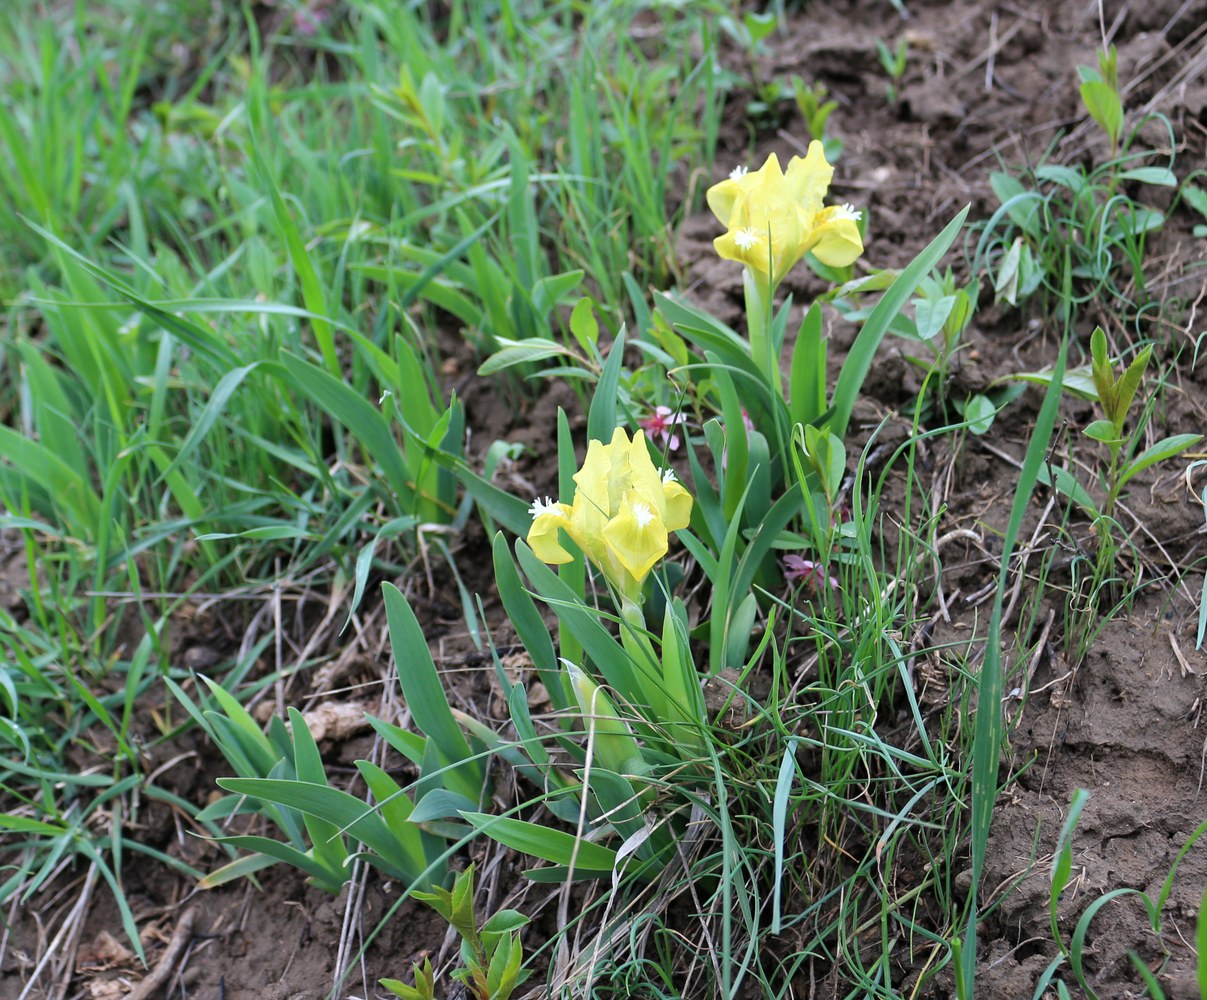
(805, 571)
(661, 425)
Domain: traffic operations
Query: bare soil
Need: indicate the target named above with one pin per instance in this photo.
(985, 82)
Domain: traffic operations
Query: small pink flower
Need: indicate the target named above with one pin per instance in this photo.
(808, 573)
(661, 425)
(308, 20)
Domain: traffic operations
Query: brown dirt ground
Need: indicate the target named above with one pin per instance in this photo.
(985, 80)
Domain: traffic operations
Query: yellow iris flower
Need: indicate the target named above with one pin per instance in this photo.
(785, 208)
(622, 513)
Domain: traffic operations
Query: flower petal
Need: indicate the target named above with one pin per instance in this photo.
(592, 508)
(543, 535)
(838, 242)
(721, 198)
(637, 537)
(678, 506)
(808, 179)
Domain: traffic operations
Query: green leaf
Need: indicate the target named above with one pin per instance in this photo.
(807, 377)
(859, 359)
(334, 806)
(360, 417)
(1065, 483)
(1077, 382)
(779, 819)
(425, 696)
(1129, 384)
(931, 315)
(1166, 448)
(584, 326)
(1006, 282)
(551, 291)
(520, 352)
(1020, 204)
(1102, 102)
(980, 413)
(1102, 430)
(543, 842)
(1196, 198)
(988, 724)
(611, 659)
(526, 620)
(601, 416)
(1159, 176)
(1200, 938)
(269, 852)
(758, 25)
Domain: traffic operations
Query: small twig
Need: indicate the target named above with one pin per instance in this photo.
(180, 939)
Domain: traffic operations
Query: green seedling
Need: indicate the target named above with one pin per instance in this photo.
(1100, 94)
(1071, 230)
(816, 110)
(1075, 949)
(1115, 397)
(491, 954)
(893, 61)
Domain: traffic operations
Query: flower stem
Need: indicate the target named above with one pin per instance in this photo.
(758, 327)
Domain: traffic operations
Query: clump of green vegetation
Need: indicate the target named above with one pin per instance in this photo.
(250, 296)
(1073, 233)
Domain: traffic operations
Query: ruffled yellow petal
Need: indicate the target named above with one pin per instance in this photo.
(644, 478)
(745, 245)
(678, 506)
(809, 178)
(838, 242)
(721, 198)
(543, 535)
(592, 508)
(636, 536)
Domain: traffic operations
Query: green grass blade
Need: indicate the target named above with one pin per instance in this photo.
(987, 734)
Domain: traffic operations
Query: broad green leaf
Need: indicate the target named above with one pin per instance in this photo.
(1078, 382)
(1159, 176)
(1065, 483)
(543, 842)
(980, 413)
(1166, 448)
(425, 697)
(1102, 102)
(931, 315)
(807, 377)
(520, 352)
(584, 326)
(1102, 430)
